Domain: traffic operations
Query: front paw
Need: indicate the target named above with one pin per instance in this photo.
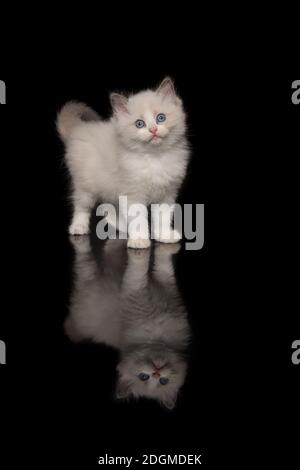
(170, 236)
(138, 243)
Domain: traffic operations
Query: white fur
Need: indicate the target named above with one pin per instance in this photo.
(110, 158)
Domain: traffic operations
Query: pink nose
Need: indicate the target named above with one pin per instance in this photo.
(153, 129)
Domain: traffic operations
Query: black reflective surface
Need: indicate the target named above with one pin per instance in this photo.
(128, 312)
(124, 301)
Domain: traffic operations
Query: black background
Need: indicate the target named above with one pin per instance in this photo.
(239, 403)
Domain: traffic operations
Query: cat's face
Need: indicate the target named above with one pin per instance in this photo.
(150, 119)
(156, 373)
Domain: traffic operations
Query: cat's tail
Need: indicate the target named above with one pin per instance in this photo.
(71, 115)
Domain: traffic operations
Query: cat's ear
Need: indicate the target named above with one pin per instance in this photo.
(119, 103)
(170, 401)
(166, 88)
(123, 389)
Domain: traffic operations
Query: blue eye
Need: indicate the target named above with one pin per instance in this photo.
(160, 118)
(143, 376)
(139, 123)
(163, 380)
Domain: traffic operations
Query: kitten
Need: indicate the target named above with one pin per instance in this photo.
(120, 303)
(141, 152)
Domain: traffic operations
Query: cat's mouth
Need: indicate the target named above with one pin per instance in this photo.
(155, 139)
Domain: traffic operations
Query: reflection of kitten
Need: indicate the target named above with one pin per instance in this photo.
(141, 153)
(138, 312)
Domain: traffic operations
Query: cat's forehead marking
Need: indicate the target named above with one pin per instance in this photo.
(146, 101)
(149, 116)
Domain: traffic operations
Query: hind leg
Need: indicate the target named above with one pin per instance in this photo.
(83, 204)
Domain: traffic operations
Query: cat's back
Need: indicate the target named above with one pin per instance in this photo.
(99, 135)
(92, 156)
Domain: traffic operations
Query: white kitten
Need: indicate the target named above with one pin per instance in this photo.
(141, 152)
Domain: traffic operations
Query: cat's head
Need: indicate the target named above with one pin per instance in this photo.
(150, 119)
(151, 372)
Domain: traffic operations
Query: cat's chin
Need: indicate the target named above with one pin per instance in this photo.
(156, 141)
